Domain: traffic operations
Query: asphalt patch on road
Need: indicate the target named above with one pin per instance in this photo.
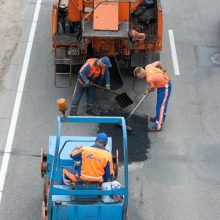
(138, 140)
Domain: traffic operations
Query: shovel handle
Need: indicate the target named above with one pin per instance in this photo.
(103, 88)
(137, 106)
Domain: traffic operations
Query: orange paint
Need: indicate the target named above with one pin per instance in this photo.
(160, 29)
(123, 11)
(74, 13)
(106, 16)
(54, 21)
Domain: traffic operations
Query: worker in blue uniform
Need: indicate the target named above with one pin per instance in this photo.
(95, 163)
(93, 71)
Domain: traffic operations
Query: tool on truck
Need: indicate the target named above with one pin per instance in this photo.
(127, 31)
(86, 200)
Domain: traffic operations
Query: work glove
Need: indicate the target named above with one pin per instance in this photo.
(107, 86)
(147, 92)
(88, 84)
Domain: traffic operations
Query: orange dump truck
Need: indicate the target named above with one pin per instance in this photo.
(129, 32)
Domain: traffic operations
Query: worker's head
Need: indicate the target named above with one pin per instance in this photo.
(104, 61)
(101, 139)
(139, 72)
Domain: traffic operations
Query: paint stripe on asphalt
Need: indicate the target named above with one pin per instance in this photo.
(173, 53)
(11, 132)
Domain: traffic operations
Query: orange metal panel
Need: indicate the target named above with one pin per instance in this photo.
(74, 13)
(160, 29)
(134, 5)
(106, 16)
(124, 11)
(54, 22)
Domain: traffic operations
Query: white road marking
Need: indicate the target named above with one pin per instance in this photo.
(173, 52)
(14, 118)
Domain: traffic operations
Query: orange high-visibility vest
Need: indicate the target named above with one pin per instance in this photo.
(94, 162)
(95, 70)
(157, 76)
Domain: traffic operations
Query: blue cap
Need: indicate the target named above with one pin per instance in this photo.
(106, 61)
(102, 138)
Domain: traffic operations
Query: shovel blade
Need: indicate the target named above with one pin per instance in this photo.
(123, 100)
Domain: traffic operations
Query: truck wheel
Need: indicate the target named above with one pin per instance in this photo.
(43, 163)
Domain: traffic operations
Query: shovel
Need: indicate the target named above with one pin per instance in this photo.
(129, 128)
(122, 99)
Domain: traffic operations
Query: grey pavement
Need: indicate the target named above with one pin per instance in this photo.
(181, 180)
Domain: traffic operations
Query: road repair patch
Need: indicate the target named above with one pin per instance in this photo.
(138, 140)
(208, 56)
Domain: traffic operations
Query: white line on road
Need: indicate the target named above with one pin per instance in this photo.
(11, 132)
(173, 52)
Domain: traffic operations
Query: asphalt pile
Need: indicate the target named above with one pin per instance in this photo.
(138, 140)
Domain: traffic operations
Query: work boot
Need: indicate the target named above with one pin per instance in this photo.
(153, 119)
(73, 110)
(154, 128)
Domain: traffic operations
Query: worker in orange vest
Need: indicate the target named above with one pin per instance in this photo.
(156, 78)
(93, 71)
(95, 163)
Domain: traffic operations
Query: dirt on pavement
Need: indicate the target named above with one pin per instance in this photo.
(10, 31)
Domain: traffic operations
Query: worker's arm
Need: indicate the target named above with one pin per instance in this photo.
(157, 64)
(76, 154)
(109, 170)
(84, 71)
(107, 77)
(150, 84)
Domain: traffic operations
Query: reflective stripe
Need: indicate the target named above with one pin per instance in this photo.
(83, 67)
(68, 177)
(92, 177)
(95, 70)
(160, 122)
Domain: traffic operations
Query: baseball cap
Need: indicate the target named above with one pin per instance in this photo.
(106, 61)
(102, 138)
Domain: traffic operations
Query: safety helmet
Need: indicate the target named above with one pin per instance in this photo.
(106, 61)
(102, 138)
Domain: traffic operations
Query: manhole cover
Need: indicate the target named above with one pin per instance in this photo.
(215, 58)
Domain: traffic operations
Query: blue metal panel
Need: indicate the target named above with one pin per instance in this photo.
(94, 211)
(62, 190)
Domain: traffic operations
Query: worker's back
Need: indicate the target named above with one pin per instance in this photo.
(157, 76)
(96, 163)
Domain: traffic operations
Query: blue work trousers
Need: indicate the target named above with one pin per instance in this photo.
(79, 91)
(163, 95)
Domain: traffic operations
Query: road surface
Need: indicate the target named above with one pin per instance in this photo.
(181, 178)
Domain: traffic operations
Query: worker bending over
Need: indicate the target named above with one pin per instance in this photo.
(95, 163)
(156, 78)
(93, 71)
